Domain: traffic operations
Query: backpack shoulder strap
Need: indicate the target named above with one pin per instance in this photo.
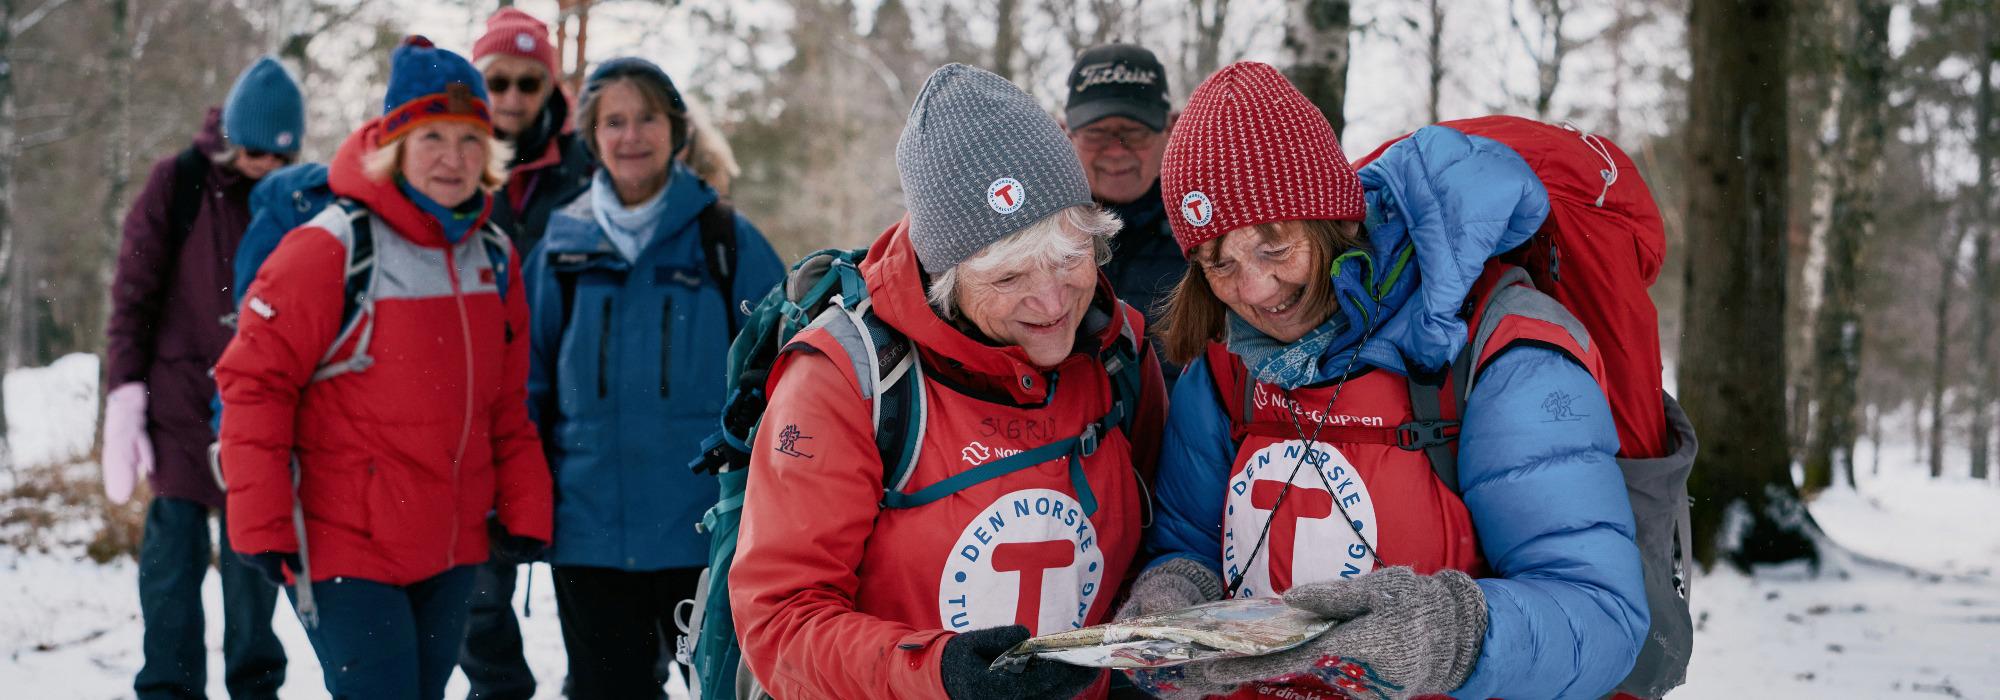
(1504, 293)
(357, 307)
(717, 223)
(190, 181)
(891, 377)
(1232, 388)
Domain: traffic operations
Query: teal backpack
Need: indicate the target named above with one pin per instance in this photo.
(826, 290)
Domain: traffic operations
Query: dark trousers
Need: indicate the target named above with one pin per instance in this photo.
(383, 642)
(491, 657)
(173, 559)
(615, 624)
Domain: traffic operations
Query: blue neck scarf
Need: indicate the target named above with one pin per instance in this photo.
(455, 220)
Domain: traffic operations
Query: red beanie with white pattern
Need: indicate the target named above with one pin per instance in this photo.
(1248, 150)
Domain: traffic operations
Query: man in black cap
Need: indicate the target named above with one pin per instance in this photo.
(1118, 121)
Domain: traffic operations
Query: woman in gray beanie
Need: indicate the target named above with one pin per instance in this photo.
(1022, 509)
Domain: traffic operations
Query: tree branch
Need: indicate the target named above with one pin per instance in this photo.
(34, 17)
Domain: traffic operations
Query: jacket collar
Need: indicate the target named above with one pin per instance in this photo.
(896, 286)
(574, 229)
(384, 198)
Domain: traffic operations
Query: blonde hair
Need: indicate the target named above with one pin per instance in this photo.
(1045, 243)
(382, 164)
(1192, 315)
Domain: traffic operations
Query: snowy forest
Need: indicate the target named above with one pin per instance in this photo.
(1826, 170)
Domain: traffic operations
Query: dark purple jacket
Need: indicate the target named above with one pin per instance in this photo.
(167, 306)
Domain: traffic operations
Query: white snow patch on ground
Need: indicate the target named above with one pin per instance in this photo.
(51, 411)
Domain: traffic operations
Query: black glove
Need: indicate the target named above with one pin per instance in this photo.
(272, 564)
(967, 673)
(508, 548)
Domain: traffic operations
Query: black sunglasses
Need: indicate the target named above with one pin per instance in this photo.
(529, 84)
(254, 153)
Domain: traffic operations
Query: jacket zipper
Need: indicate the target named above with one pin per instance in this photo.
(666, 345)
(604, 349)
(465, 433)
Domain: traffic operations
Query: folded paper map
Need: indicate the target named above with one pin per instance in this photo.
(1219, 630)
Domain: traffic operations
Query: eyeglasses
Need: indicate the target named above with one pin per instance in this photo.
(255, 154)
(1133, 138)
(528, 84)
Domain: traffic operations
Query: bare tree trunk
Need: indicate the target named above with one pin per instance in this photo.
(1986, 289)
(14, 311)
(1838, 330)
(1316, 39)
(1947, 259)
(117, 152)
(1005, 39)
(1548, 51)
(1436, 54)
(1210, 17)
(1736, 188)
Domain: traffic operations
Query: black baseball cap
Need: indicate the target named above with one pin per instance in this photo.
(1117, 80)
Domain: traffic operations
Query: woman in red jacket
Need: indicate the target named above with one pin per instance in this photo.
(362, 454)
(992, 279)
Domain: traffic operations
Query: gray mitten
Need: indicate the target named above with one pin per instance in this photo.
(1172, 585)
(1402, 635)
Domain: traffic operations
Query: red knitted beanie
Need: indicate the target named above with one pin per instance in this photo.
(1249, 149)
(516, 33)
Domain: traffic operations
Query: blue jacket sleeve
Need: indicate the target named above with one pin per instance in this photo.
(1195, 456)
(544, 326)
(1567, 614)
(266, 228)
(758, 267)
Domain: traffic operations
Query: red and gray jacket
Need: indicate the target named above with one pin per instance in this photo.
(401, 458)
(835, 596)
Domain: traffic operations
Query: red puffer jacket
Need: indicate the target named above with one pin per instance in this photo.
(402, 460)
(836, 597)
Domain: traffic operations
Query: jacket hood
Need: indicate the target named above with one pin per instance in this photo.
(209, 140)
(896, 286)
(384, 198)
(1452, 201)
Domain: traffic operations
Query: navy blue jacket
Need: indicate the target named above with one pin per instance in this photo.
(626, 382)
(1146, 263)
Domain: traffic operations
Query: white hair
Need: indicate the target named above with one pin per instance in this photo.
(1045, 243)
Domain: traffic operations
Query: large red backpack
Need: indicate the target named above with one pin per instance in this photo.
(1596, 254)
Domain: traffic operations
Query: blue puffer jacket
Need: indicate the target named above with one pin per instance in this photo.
(625, 390)
(1567, 612)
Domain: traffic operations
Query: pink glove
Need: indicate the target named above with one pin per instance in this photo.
(128, 452)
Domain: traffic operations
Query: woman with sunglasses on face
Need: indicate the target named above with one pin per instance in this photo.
(180, 238)
(364, 455)
(531, 113)
(1313, 296)
(632, 326)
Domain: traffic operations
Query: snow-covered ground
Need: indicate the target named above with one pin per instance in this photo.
(1911, 609)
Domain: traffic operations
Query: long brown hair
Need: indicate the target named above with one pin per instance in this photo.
(1192, 316)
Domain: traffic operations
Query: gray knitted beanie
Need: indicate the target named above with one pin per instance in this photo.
(980, 160)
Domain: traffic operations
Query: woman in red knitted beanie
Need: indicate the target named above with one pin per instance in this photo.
(1320, 309)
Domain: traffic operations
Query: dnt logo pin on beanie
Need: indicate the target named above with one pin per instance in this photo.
(1250, 150)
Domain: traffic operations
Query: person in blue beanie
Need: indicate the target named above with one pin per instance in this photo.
(171, 285)
(636, 291)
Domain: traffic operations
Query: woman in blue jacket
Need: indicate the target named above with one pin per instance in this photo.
(1324, 292)
(630, 331)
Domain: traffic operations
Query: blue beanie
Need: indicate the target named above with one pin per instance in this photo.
(426, 83)
(265, 111)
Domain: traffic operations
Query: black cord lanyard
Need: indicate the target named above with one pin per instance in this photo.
(1236, 582)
